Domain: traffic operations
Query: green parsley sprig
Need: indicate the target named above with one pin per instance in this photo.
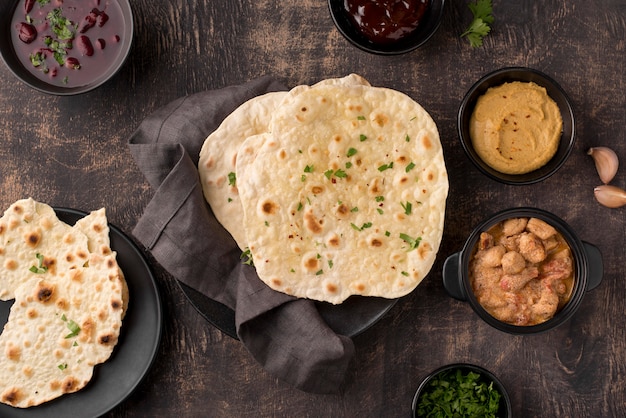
(481, 25)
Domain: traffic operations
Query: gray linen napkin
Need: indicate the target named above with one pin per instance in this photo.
(285, 335)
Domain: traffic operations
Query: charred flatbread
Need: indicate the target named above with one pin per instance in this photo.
(70, 298)
(345, 195)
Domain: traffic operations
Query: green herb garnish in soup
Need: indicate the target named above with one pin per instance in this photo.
(459, 393)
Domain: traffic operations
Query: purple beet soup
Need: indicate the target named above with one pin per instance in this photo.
(67, 43)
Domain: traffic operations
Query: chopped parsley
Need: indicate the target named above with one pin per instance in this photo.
(351, 152)
(41, 269)
(232, 179)
(73, 327)
(308, 169)
(410, 167)
(361, 117)
(341, 174)
(61, 26)
(407, 138)
(385, 167)
(362, 137)
(413, 242)
(62, 366)
(247, 257)
(408, 207)
(380, 198)
(458, 393)
(362, 227)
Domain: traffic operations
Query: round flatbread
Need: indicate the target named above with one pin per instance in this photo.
(345, 195)
(218, 156)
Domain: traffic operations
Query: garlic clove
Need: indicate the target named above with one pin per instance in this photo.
(606, 162)
(610, 196)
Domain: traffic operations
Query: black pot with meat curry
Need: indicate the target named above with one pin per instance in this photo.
(523, 271)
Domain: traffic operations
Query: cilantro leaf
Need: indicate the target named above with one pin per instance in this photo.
(481, 24)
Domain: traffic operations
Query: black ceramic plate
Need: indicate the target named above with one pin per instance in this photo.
(350, 318)
(134, 354)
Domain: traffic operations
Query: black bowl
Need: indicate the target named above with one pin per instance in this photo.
(504, 411)
(419, 37)
(588, 270)
(10, 58)
(553, 89)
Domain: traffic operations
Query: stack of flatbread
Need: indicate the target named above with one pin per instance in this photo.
(335, 189)
(70, 298)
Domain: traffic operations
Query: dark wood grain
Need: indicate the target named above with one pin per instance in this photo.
(72, 151)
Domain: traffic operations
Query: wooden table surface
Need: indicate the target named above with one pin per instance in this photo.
(72, 152)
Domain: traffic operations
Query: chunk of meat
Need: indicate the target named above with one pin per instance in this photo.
(484, 278)
(510, 243)
(491, 257)
(531, 247)
(540, 228)
(515, 282)
(485, 241)
(550, 243)
(514, 226)
(546, 306)
(558, 268)
(513, 262)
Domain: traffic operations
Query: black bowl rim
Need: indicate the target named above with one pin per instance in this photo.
(468, 366)
(15, 67)
(581, 269)
(514, 74)
(411, 43)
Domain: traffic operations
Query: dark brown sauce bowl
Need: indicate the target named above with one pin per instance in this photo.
(554, 90)
(11, 60)
(426, 29)
(588, 270)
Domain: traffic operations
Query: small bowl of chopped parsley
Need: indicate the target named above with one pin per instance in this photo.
(461, 390)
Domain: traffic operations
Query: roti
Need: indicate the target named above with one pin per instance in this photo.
(218, 156)
(70, 298)
(345, 194)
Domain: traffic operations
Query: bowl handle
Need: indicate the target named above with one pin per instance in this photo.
(596, 267)
(452, 280)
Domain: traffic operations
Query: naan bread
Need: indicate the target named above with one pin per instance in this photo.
(70, 298)
(345, 194)
(28, 228)
(218, 156)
